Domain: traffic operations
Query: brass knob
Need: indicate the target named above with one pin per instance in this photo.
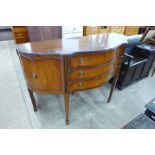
(80, 84)
(34, 75)
(81, 73)
(81, 60)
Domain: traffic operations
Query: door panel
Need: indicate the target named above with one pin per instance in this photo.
(43, 75)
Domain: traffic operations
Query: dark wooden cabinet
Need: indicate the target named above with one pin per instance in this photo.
(137, 68)
(65, 66)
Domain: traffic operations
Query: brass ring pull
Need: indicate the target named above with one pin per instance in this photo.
(81, 84)
(81, 60)
(34, 75)
(81, 73)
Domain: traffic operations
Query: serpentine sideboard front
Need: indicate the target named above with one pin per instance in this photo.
(65, 66)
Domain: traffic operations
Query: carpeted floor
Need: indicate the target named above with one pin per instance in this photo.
(88, 109)
(13, 112)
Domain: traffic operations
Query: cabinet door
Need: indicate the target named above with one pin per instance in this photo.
(43, 74)
(40, 33)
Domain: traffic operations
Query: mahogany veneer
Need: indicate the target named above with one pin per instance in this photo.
(64, 66)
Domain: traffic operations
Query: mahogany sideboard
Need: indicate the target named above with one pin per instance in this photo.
(65, 66)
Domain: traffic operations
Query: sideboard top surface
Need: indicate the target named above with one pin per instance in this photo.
(101, 42)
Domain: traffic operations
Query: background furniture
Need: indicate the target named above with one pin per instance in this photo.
(65, 66)
(90, 30)
(150, 109)
(149, 41)
(20, 34)
(23, 34)
(72, 31)
(126, 30)
(142, 29)
(40, 33)
(145, 120)
(138, 59)
(136, 65)
(117, 29)
(131, 30)
(140, 122)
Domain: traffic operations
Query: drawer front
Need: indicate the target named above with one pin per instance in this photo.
(131, 30)
(21, 40)
(43, 75)
(91, 59)
(90, 72)
(88, 84)
(19, 29)
(20, 34)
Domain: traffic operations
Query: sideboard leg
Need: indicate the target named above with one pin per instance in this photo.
(66, 97)
(112, 87)
(35, 108)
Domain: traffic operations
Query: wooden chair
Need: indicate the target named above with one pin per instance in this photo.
(138, 59)
(149, 40)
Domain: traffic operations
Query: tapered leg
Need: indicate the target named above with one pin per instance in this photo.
(113, 86)
(33, 100)
(66, 97)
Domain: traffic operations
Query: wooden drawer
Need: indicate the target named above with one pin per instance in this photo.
(43, 74)
(88, 84)
(91, 59)
(131, 30)
(91, 72)
(118, 29)
(20, 40)
(19, 28)
(20, 34)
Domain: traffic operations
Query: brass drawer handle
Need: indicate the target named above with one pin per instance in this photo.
(81, 60)
(81, 84)
(81, 73)
(34, 75)
(19, 34)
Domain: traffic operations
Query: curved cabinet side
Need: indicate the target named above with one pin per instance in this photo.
(43, 74)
